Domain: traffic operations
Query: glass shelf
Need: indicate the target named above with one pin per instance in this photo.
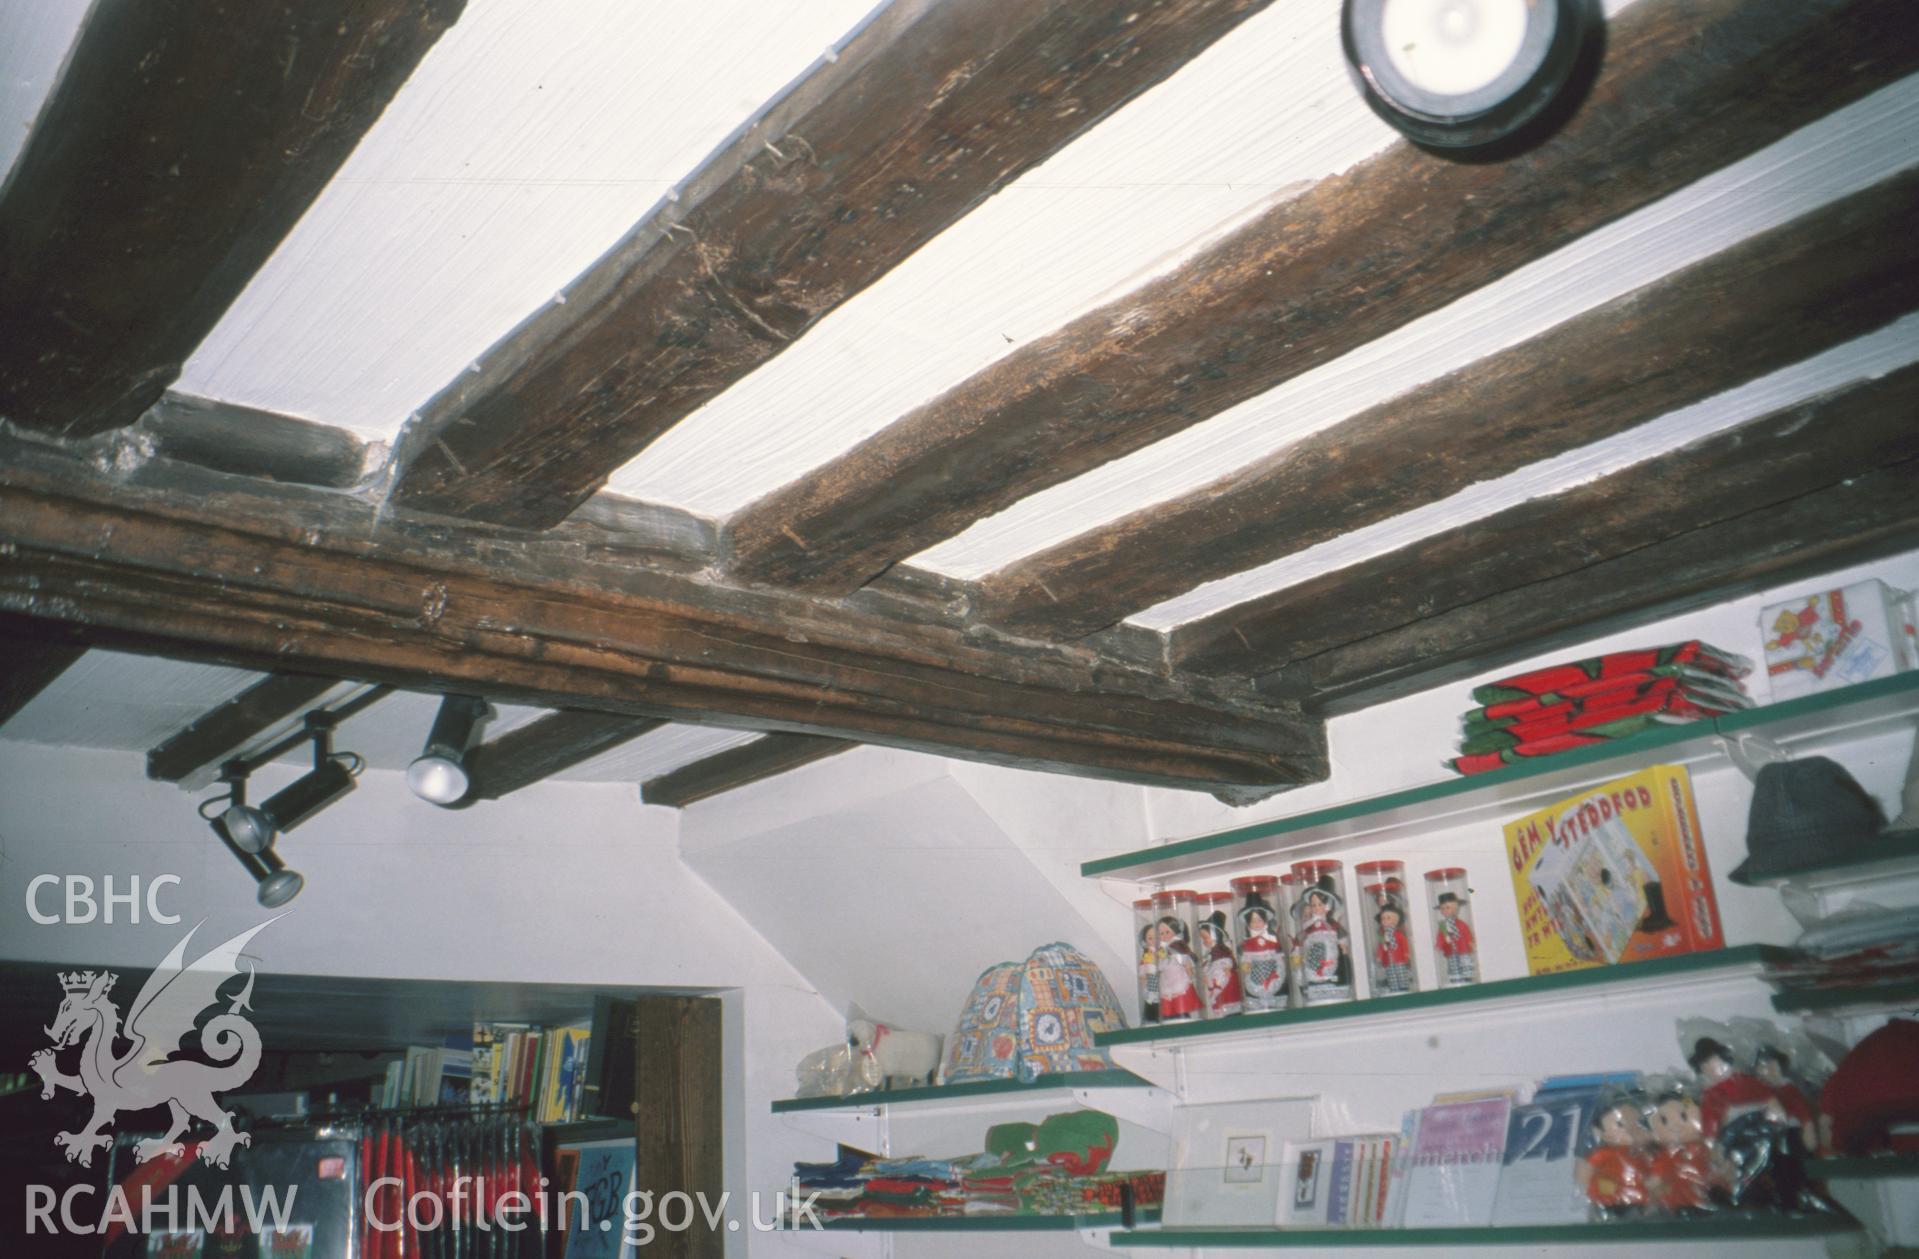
(1903, 992)
(1865, 1167)
(1054, 1087)
(1854, 711)
(985, 1223)
(1754, 1226)
(1752, 957)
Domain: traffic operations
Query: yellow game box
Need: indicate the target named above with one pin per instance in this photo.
(1614, 874)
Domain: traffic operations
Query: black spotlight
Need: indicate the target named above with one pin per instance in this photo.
(252, 830)
(1473, 79)
(277, 884)
(438, 774)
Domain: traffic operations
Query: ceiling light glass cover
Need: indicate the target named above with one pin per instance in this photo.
(1472, 77)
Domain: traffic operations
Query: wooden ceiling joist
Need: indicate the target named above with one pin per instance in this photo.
(1828, 481)
(194, 753)
(1773, 300)
(926, 112)
(547, 745)
(1685, 90)
(738, 767)
(182, 143)
(324, 582)
(28, 668)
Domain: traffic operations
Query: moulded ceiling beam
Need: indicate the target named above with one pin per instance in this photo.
(547, 745)
(191, 755)
(737, 767)
(1828, 481)
(246, 573)
(1769, 301)
(1686, 89)
(926, 112)
(180, 146)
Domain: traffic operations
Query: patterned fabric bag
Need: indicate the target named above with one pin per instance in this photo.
(1033, 1018)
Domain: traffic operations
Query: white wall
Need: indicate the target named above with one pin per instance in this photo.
(559, 883)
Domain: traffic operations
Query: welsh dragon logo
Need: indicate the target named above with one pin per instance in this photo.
(147, 1074)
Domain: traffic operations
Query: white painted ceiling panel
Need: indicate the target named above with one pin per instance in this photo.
(111, 699)
(1266, 109)
(1841, 154)
(533, 136)
(35, 37)
(1866, 358)
(658, 752)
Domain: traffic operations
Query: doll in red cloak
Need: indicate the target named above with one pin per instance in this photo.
(1223, 995)
(1759, 1138)
(1615, 1173)
(1178, 972)
(1393, 955)
(1453, 939)
(1260, 957)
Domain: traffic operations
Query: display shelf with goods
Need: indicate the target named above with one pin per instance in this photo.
(1723, 1228)
(1815, 722)
(1047, 1090)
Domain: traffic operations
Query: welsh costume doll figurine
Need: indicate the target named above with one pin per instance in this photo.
(1223, 994)
(1149, 970)
(1453, 941)
(1614, 1173)
(1393, 955)
(1178, 972)
(1322, 960)
(1770, 1064)
(1261, 963)
(1685, 1175)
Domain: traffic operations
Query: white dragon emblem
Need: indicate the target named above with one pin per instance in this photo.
(146, 1075)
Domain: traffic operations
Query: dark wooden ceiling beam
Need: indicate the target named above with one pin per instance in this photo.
(737, 767)
(28, 668)
(1686, 89)
(547, 745)
(323, 582)
(192, 755)
(182, 143)
(1770, 301)
(1827, 481)
(925, 113)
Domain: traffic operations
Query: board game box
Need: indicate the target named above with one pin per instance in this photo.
(1614, 874)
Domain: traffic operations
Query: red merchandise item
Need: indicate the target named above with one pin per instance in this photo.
(1614, 1176)
(1685, 1170)
(1873, 1091)
(1617, 1177)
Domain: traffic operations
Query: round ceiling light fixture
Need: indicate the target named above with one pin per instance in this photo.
(1473, 78)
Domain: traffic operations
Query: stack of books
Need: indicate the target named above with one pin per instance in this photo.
(541, 1068)
(1587, 702)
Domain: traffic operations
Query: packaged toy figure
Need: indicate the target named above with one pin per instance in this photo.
(1145, 935)
(1455, 947)
(1262, 961)
(1389, 941)
(1288, 897)
(1217, 964)
(1615, 1172)
(1179, 981)
(1771, 1064)
(1685, 1175)
(1322, 949)
(1762, 1144)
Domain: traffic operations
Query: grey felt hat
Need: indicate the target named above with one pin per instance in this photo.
(1805, 812)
